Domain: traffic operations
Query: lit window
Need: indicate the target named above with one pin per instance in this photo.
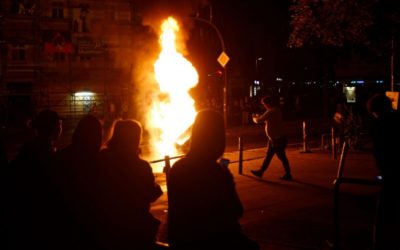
(85, 101)
(84, 94)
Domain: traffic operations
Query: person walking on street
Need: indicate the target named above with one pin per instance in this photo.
(277, 140)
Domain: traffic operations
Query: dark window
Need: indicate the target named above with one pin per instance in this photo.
(85, 58)
(76, 26)
(83, 15)
(58, 10)
(18, 53)
(59, 56)
(27, 7)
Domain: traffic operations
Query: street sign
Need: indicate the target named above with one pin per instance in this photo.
(223, 59)
(394, 97)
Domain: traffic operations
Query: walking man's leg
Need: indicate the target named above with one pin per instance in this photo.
(280, 151)
(268, 157)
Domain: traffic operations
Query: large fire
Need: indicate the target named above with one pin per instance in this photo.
(172, 112)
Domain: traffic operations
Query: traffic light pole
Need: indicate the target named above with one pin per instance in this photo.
(225, 88)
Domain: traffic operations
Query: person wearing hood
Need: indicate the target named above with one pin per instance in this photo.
(204, 207)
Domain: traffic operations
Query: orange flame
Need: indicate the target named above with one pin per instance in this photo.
(173, 112)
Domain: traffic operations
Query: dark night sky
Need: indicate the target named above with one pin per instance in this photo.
(255, 29)
(251, 29)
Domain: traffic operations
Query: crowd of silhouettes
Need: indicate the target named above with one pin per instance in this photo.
(93, 196)
(78, 197)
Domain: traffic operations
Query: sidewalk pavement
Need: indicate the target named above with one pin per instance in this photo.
(254, 134)
(298, 214)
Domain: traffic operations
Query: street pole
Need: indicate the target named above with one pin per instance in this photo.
(225, 88)
(257, 60)
(392, 64)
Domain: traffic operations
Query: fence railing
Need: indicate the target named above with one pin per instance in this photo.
(167, 159)
(335, 143)
(336, 193)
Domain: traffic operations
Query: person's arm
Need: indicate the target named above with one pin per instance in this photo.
(261, 118)
(154, 189)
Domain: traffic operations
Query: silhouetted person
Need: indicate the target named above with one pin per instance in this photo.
(3, 166)
(128, 188)
(204, 207)
(76, 168)
(386, 148)
(346, 121)
(277, 140)
(341, 119)
(3, 151)
(30, 196)
(3, 186)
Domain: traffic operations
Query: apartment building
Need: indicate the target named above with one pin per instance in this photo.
(67, 55)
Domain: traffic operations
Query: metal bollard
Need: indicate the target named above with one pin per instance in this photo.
(305, 146)
(240, 141)
(333, 143)
(336, 200)
(167, 166)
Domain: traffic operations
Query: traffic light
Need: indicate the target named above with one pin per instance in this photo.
(217, 73)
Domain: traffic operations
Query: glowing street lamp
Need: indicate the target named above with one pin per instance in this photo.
(84, 94)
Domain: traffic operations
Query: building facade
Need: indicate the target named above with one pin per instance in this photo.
(67, 55)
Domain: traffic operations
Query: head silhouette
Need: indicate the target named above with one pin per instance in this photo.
(269, 101)
(208, 135)
(379, 104)
(47, 124)
(88, 134)
(126, 136)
